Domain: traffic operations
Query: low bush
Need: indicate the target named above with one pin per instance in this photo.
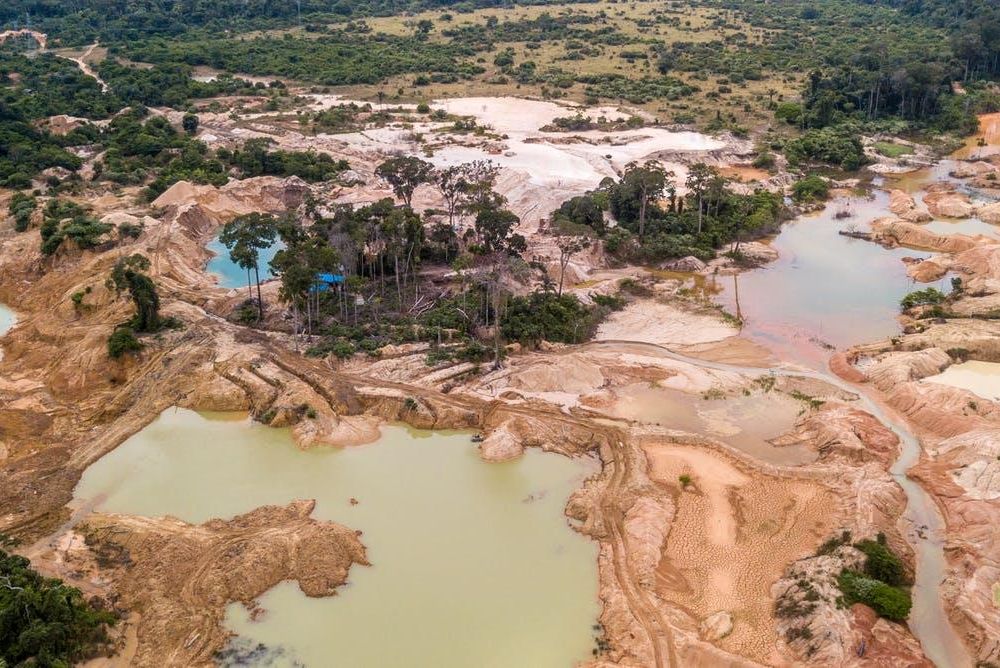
(122, 342)
(546, 316)
(888, 601)
(811, 189)
(881, 563)
(925, 297)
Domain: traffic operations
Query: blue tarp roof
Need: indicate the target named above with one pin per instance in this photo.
(330, 278)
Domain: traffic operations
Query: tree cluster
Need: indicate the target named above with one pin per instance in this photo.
(42, 621)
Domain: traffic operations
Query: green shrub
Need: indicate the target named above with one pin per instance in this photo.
(21, 207)
(546, 316)
(610, 302)
(811, 189)
(831, 544)
(764, 160)
(840, 146)
(881, 563)
(122, 342)
(790, 112)
(343, 349)
(926, 297)
(888, 601)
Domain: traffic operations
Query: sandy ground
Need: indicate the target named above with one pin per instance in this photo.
(664, 325)
(732, 535)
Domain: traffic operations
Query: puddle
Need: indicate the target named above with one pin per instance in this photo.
(472, 563)
(7, 319)
(230, 274)
(980, 378)
(745, 422)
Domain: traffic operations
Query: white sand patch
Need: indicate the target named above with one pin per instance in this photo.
(663, 325)
(546, 159)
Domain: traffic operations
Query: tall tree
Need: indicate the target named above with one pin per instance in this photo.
(698, 180)
(245, 237)
(568, 247)
(648, 181)
(404, 174)
(127, 276)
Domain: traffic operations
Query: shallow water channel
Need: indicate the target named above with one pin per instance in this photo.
(472, 563)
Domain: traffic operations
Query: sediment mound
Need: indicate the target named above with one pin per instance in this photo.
(903, 205)
(990, 213)
(841, 432)
(943, 199)
(902, 367)
(898, 232)
(263, 193)
(963, 475)
(181, 577)
(820, 632)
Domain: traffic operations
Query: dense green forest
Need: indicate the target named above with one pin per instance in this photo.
(867, 65)
(43, 622)
(46, 85)
(25, 151)
(84, 21)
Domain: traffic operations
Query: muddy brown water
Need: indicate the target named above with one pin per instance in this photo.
(472, 563)
(747, 423)
(825, 289)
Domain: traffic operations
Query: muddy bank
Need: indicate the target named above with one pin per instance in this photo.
(179, 577)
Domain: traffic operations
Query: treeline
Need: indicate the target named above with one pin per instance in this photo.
(139, 149)
(656, 224)
(870, 60)
(74, 22)
(973, 24)
(339, 57)
(169, 84)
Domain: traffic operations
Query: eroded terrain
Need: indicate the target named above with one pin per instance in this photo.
(726, 458)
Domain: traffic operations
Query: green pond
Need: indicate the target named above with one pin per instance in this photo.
(473, 564)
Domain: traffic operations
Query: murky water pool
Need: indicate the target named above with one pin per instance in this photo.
(981, 378)
(230, 274)
(748, 423)
(472, 563)
(825, 289)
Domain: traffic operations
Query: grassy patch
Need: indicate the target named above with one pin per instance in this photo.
(891, 150)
